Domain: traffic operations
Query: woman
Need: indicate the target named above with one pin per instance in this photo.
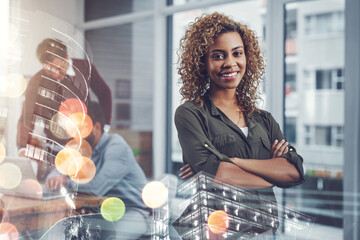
(220, 129)
(44, 94)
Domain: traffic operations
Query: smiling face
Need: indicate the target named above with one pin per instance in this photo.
(226, 62)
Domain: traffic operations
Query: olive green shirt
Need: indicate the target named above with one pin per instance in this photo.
(207, 137)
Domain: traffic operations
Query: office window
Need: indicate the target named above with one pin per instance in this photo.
(290, 130)
(317, 108)
(95, 9)
(323, 79)
(330, 79)
(323, 135)
(123, 89)
(324, 23)
(332, 136)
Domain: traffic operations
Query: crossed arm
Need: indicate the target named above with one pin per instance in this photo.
(254, 173)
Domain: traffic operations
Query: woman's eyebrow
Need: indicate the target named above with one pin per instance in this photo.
(220, 50)
(235, 48)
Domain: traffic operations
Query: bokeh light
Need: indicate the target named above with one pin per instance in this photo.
(68, 161)
(30, 188)
(154, 194)
(112, 209)
(2, 152)
(13, 32)
(79, 125)
(218, 221)
(8, 231)
(71, 106)
(81, 145)
(10, 176)
(58, 126)
(86, 172)
(14, 54)
(15, 85)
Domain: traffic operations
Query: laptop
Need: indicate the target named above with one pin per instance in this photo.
(28, 186)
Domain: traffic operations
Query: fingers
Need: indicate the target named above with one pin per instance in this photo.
(279, 148)
(186, 172)
(184, 167)
(47, 184)
(187, 175)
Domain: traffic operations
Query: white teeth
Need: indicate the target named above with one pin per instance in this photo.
(229, 74)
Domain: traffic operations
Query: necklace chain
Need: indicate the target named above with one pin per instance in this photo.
(238, 122)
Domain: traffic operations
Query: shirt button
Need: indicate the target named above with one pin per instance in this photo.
(206, 145)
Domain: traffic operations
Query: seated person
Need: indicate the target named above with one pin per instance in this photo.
(117, 175)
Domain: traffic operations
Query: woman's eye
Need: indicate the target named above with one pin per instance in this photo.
(218, 56)
(238, 54)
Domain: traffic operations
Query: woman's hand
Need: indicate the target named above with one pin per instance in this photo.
(279, 148)
(186, 172)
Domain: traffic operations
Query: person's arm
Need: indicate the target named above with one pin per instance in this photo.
(284, 169)
(201, 155)
(275, 169)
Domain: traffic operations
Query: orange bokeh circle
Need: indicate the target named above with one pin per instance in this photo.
(218, 221)
(79, 125)
(71, 106)
(81, 145)
(8, 231)
(68, 161)
(86, 172)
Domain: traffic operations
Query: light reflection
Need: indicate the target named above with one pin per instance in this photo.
(13, 32)
(218, 221)
(30, 188)
(71, 106)
(86, 172)
(58, 126)
(14, 54)
(15, 85)
(68, 161)
(10, 176)
(79, 125)
(112, 209)
(8, 231)
(81, 145)
(154, 194)
(2, 152)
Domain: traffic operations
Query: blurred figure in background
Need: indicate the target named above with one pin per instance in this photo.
(117, 175)
(61, 78)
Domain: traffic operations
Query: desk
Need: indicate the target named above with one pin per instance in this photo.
(31, 214)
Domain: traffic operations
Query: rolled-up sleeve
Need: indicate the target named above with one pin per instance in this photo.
(197, 149)
(292, 156)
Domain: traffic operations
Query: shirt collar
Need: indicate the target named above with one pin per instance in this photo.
(103, 139)
(250, 121)
(213, 109)
(70, 71)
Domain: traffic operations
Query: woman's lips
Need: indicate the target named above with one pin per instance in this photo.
(229, 76)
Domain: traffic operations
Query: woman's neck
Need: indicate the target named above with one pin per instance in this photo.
(225, 98)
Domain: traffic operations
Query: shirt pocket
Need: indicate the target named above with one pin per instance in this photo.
(264, 151)
(225, 144)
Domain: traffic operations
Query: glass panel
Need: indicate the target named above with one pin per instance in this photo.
(251, 13)
(124, 60)
(108, 8)
(316, 108)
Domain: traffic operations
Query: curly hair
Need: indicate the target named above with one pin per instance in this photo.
(49, 48)
(192, 55)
